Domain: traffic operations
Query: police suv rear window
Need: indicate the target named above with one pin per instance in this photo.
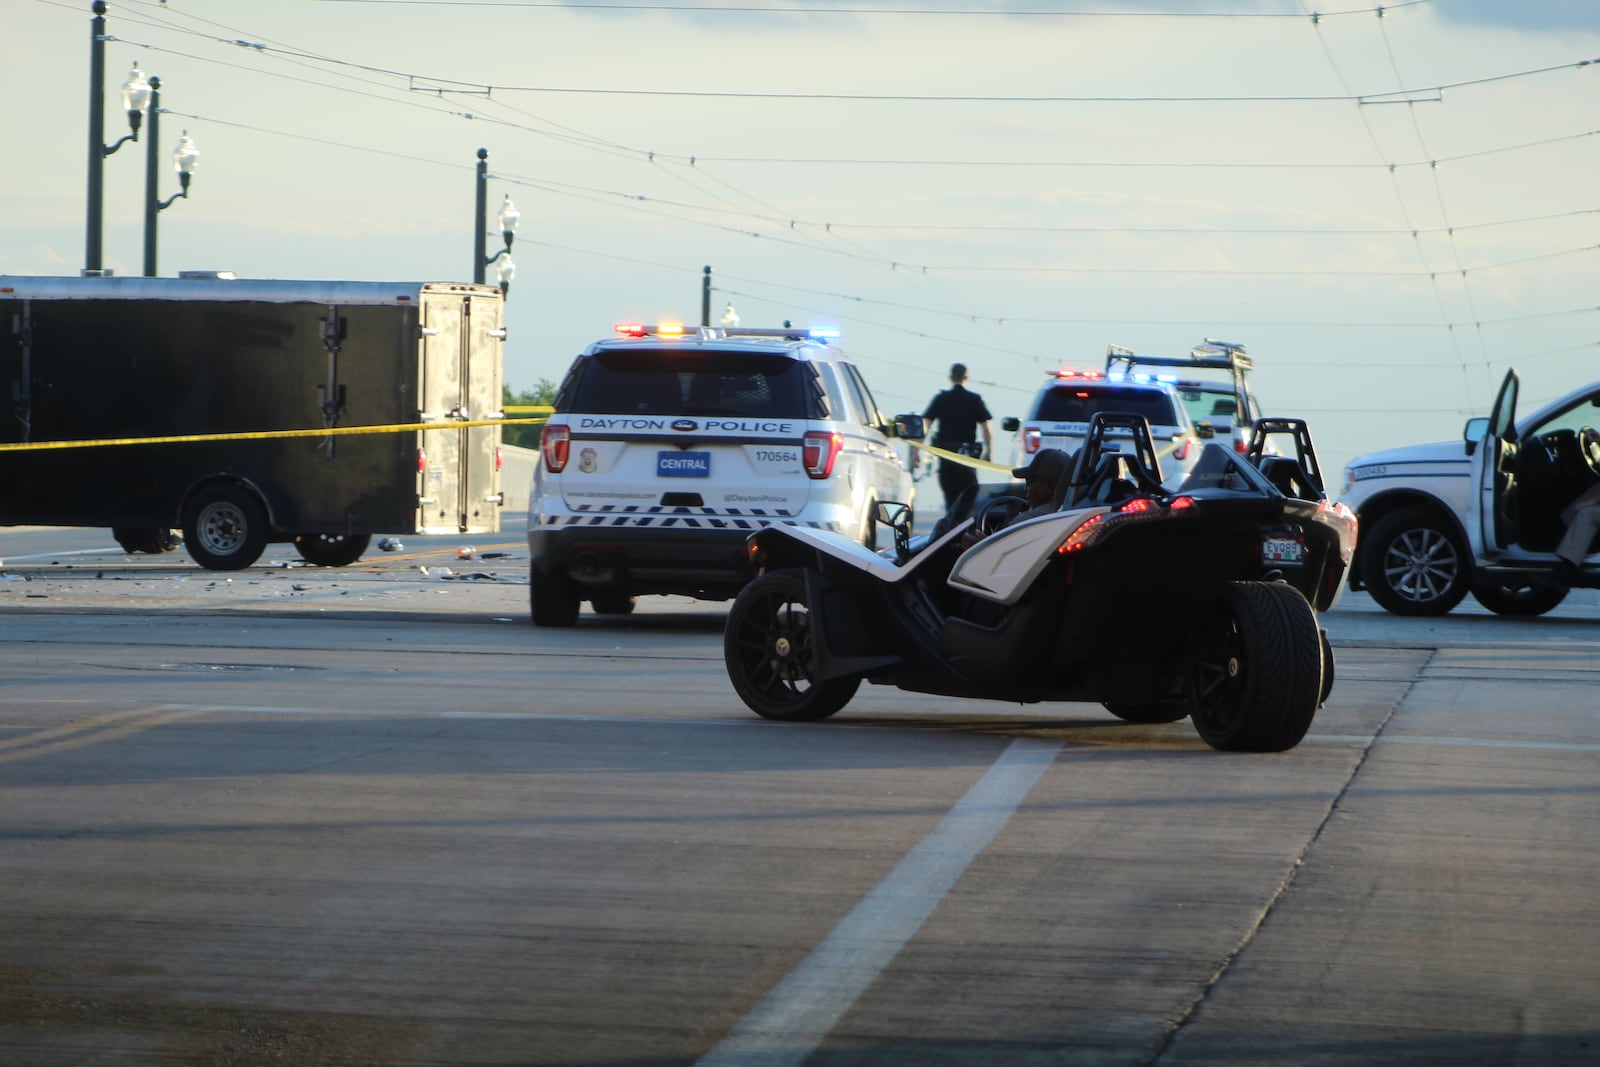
(1078, 403)
(694, 382)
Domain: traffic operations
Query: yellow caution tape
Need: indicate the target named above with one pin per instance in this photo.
(266, 435)
(957, 457)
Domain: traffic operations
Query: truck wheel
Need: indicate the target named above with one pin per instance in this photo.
(614, 603)
(1255, 674)
(553, 600)
(1519, 601)
(1160, 711)
(331, 550)
(146, 540)
(1414, 563)
(225, 528)
(767, 649)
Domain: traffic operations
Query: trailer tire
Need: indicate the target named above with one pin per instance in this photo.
(615, 602)
(331, 550)
(552, 599)
(224, 527)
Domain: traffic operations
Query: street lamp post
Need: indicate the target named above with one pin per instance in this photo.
(184, 158)
(135, 93)
(508, 218)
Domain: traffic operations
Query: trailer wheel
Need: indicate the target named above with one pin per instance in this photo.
(150, 540)
(1255, 674)
(553, 600)
(331, 550)
(767, 649)
(1159, 711)
(225, 528)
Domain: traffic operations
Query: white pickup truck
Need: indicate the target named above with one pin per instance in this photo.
(1480, 515)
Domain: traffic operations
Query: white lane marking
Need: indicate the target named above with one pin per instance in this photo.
(786, 1027)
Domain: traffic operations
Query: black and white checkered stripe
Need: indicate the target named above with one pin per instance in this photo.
(662, 517)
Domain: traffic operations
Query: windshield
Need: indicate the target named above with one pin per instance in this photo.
(694, 382)
(1079, 403)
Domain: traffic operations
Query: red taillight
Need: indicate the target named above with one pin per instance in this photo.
(499, 460)
(1030, 439)
(422, 461)
(1240, 445)
(819, 450)
(554, 442)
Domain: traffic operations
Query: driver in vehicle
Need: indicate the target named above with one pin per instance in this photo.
(1043, 478)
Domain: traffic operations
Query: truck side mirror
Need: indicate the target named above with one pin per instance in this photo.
(1205, 431)
(1474, 432)
(1010, 424)
(909, 427)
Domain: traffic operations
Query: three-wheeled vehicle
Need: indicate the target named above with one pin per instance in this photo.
(1195, 599)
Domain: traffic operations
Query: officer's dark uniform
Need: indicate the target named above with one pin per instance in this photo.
(958, 413)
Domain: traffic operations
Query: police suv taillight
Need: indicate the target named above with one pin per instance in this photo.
(554, 443)
(819, 450)
(1031, 439)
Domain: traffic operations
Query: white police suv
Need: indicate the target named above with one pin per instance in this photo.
(1060, 412)
(670, 445)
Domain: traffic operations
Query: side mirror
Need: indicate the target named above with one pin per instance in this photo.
(1010, 424)
(1473, 432)
(909, 427)
(1205, 431)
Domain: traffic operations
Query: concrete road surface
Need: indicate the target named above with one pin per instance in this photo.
(374, 817)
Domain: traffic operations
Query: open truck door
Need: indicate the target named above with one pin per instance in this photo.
(458, 477)
(1492, 517)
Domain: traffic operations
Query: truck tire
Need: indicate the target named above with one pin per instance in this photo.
(1517, 601)
(331, 550)
(1255, 674)
(149, 540)
(552, 599)
(224, 528)
(1415, 563)
(767, 649)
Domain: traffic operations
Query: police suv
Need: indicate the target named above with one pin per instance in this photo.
(1060, 412)
(670, 445)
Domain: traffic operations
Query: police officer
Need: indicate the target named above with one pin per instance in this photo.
(959, 415)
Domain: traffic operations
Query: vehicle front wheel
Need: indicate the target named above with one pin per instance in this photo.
(553, 600)
(1160, 711)
(1255, 676)
(331, 550)
(1524, 601)
(225, 528)
(152, 541)
(1413, 562)
(768, 652)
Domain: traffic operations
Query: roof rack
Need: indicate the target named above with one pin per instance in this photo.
(1210, 354)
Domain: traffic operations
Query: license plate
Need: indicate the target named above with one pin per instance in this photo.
(683, 464)
(1281, 550)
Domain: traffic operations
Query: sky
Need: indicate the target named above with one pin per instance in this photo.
(1389, 207)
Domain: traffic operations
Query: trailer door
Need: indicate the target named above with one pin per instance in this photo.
(459, 381)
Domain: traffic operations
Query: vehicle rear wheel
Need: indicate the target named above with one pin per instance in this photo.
(616, 603)
(768, 652)
(1255, 674)
(225, 528)
(150, 540)
(1524, 601)
(1160, 711)
(552, 598)
(1415, 563)
(331, 550)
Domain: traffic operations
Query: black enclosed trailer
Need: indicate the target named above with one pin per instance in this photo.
(123, 359)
